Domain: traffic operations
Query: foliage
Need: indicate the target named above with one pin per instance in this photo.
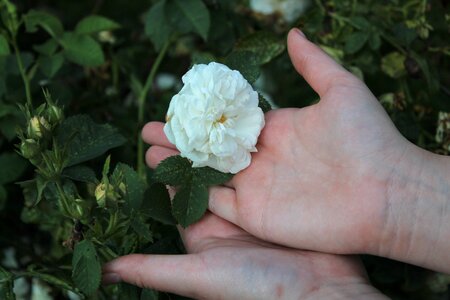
(84, 195)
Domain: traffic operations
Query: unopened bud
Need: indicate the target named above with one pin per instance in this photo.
(122, 188)
(37, 127)
(29, 148)
(100, 194)
(106, 36)
(79, 209)
(54, 114)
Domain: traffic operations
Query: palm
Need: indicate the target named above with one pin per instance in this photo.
(315, 167)
(224, 256)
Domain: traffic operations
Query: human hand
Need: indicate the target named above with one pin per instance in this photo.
(225, 262)
(334, 177)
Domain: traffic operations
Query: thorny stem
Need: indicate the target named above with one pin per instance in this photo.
(26, 82)
(141, 106)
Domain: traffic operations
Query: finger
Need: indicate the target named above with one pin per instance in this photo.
(179, 274)
(198, 236)
(222, 202)
(319, 70)
(153, 134)
(155, 154)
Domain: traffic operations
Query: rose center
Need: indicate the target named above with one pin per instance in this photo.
(222, 119)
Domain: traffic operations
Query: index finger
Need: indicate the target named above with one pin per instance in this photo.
(153, 133)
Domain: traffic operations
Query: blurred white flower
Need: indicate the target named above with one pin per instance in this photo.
(40, 290)
(290, 10)
(166, 81)
(21, 288)
(215, 120)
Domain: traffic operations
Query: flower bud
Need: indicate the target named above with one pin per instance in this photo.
(100, 194)
(105, 194)
(37, 127)
(79, 209)
(29, 148)
(123, 188)
(54, 114)
(106, 36)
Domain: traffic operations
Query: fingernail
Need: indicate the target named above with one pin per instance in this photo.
(111, 278)
(300, 32)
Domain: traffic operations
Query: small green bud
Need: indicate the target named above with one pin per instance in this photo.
(54, 114)
(122, 188)
(79, 209)
(29, 148)
(100, 194)
(106, 36)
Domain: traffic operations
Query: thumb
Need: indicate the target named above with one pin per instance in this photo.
(179, 274)
(319, 70)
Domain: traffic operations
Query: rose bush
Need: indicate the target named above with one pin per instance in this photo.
(74, 189)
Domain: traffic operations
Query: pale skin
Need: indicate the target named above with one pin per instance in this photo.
(334, 177)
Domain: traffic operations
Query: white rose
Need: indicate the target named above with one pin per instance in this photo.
(215, 120)
(290, 10)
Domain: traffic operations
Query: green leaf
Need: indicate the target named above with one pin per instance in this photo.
(86, 269)
(12, 167)
(403, 34)
(246, 63)
(48, 48)
(142, 229)
(6, 285)
(148, 294)
(48, 22)
(360, 22)
(157, 204)
(128, 292)
(432, 82)
(85, 140)
(57, 281)
(393, 64)
(9, 110)
(375, 41)
(157, 27)
(264, 104)
(4, 47)
(195, 13)
(134, 185)
(82, 49)
(202, 58)
(264, 45)
(355, 42)
(94, 24)
(3, 197)
(80, 173)
(209, 176)
(50, 65)
(32, 190)
(191, 200)
(174, 170)
(190, 203)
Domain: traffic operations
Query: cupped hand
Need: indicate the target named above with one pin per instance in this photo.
(225, 262)
(321, 176)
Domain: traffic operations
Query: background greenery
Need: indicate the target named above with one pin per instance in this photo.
(86, 85)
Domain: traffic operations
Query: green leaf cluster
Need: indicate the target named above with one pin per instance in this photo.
(191, 199)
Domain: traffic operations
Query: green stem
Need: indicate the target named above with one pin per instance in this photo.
(26, 82)
(62, 200)
(141, 107)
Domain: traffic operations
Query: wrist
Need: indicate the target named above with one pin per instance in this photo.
(416, 226)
